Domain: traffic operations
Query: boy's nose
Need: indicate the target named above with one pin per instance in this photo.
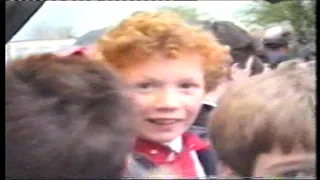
(168, 99)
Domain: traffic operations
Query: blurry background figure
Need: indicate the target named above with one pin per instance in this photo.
(308, 52)
(241, 43)
(247, 54)
(66, 117)
(212, 97)
(277, 42)
(248, 59)
(265, 126)
(237, 75)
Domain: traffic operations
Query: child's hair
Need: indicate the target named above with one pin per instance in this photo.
(143, 34)
(276, 109)
(66, 117)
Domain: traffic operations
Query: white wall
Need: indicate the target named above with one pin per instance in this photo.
(19, 49)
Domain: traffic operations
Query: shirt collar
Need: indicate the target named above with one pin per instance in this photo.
(175, 145)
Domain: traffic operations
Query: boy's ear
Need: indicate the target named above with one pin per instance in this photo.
(214, 95)
(94, 52)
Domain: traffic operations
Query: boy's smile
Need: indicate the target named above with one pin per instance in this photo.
(163, 121)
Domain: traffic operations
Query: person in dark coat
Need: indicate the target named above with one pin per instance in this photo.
(276, 43)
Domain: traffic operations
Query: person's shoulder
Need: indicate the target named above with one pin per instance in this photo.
(283, 58)
(288, 57)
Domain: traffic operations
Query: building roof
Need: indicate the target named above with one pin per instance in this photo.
(90, 37)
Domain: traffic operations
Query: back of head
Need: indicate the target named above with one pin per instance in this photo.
(275, 109)
(66, 117)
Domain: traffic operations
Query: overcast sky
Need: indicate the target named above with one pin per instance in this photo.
(84, 16)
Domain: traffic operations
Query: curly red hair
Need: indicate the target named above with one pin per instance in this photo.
(143, 34)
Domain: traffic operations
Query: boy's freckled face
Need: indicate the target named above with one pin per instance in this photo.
(168, 93)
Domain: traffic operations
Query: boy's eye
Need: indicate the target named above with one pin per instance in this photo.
(187, 85)
(144, 86)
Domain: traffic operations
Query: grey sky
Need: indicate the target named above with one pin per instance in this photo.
(84, 16)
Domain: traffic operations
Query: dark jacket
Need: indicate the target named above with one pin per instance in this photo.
(276, 57)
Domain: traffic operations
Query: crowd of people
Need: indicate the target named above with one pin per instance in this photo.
(156, 97)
